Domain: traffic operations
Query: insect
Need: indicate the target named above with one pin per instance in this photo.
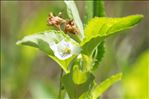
(58, 22)
(71, 27)
(55, 20)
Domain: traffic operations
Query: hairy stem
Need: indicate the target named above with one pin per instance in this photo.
(60, 86)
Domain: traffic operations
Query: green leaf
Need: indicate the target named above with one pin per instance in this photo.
(99, 28)
(86, 62)
(99, 8)
(101, 88)
(85, 95)
(103, 26)
(88, 11)
(43, 42)
(91, 45)
(94, 8)
(78, 75)
(74, 14)
(98, 55)
(63, 63)
(75, 90)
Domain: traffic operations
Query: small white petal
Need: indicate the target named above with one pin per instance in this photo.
(64, 49)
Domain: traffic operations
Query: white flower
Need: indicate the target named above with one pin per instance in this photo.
(64, 49)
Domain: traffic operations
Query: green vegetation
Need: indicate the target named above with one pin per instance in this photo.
(78, 43)
(79, 79)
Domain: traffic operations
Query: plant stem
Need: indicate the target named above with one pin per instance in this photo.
(60, 86)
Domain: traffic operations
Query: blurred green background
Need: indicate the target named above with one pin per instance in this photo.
(27, 73)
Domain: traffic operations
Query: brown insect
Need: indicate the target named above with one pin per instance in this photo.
(71, 27)
(58, 22)
(55, 21)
